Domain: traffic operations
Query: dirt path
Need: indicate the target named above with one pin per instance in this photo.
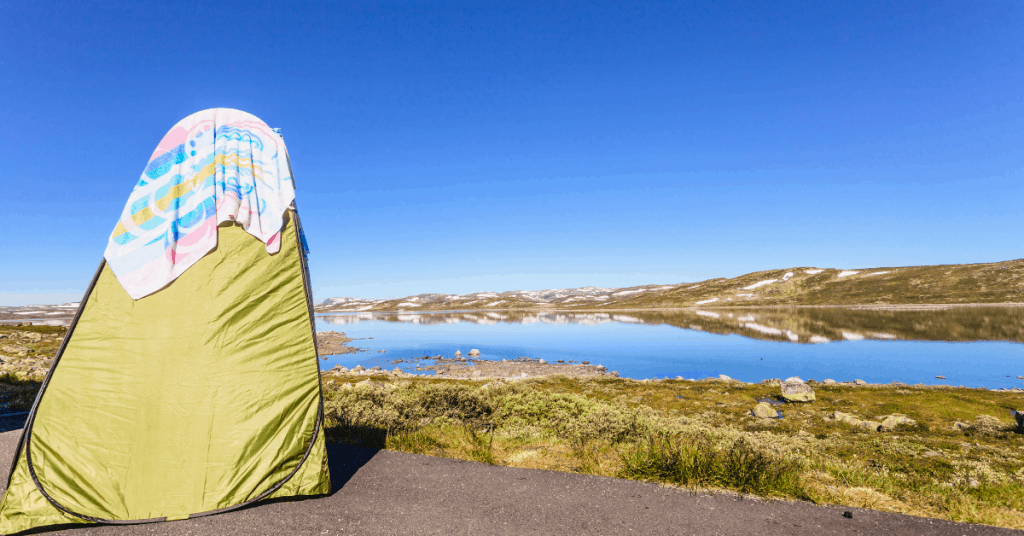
(384, 492)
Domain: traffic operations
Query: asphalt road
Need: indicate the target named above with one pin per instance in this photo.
(384, 492)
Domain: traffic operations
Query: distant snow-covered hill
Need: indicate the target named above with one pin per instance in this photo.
(1000, 282)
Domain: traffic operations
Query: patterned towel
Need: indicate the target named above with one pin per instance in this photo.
(214, 166)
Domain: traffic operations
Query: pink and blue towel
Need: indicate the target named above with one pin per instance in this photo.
(214, 166)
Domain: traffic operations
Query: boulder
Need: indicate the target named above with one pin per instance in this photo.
(358, 368)
(541, 362)
(829, 381)
(1019, 415)
(890, 422)
(859, 382)
(839, 416)
(375, 369)
(397, 371)
(772, 382)
(602, 368)
(584, 362)
(797, 392)
(338, 369)
(474, 352)
(764, 411)
(795, 379)
(961, 426)
(458, 353)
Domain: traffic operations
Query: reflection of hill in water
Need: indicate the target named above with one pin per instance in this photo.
(801, 325)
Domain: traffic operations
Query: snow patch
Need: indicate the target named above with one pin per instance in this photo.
(845, 273)
(708, 314)
(787, 276)
(712, 300)
(852, 336)
(408, 304)
(748, 318)
(812, 272)
(627, 292)
(792, 336)
(876, 273)
(763, 329)
(818, 339)
(492, 304)
(760, 284)
(886, 336)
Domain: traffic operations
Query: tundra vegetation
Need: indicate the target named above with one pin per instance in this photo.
(953, 453)
(958, 456)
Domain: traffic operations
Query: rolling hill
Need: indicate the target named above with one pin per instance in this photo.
(992, 283)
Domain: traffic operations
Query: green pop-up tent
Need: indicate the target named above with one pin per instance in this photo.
(188, 383)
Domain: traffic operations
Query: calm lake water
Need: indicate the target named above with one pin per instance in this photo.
(970, 346)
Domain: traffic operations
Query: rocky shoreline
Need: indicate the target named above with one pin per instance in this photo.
(479, 369)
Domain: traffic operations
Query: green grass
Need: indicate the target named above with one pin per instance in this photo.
(701, 462)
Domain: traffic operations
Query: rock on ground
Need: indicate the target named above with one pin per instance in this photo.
(764, 411)
(896, 419)
(797, 391)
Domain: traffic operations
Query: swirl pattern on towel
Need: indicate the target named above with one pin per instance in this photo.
(214, 166)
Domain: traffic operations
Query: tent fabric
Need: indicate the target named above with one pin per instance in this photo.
(213, 166)
(201, 397)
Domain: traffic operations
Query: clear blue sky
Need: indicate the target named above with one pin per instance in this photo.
(444, 147)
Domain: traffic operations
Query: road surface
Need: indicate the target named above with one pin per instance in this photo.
(384, 492)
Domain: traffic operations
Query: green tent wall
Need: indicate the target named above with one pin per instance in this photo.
(200, 398)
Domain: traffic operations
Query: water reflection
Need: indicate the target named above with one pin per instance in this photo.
(794, 325)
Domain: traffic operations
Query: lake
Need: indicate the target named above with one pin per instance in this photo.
(970, 346)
